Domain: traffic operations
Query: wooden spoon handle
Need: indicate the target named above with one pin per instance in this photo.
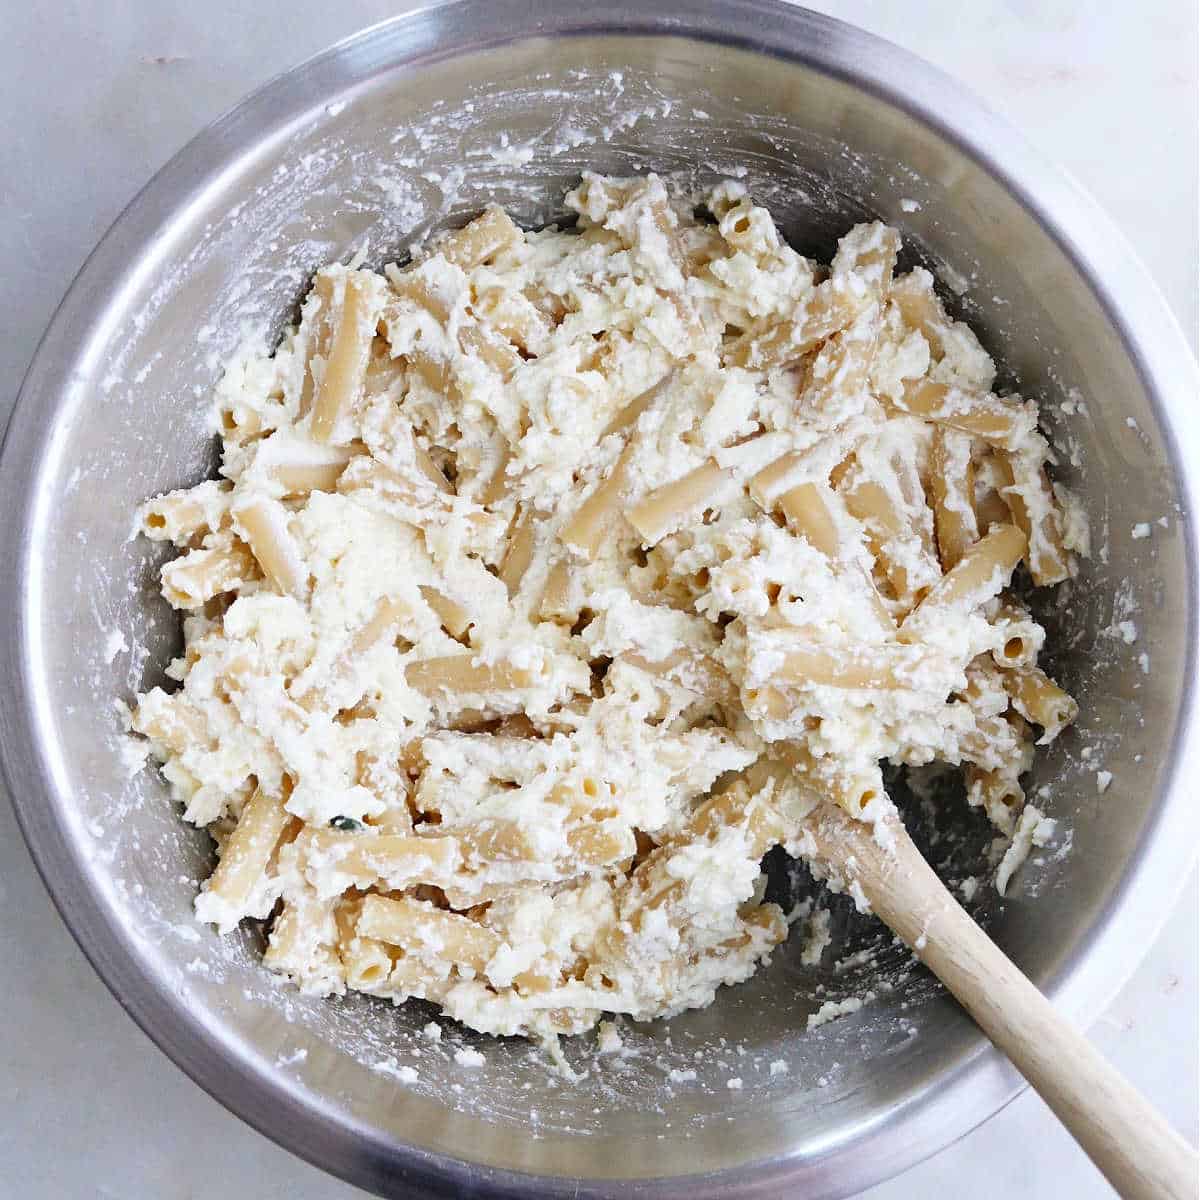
(1138, 1151)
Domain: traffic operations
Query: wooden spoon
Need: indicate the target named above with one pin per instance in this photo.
(1138, 1151)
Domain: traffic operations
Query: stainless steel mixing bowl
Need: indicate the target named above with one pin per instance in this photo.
(417, 123)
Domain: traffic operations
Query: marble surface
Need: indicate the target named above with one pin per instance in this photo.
(97, 96)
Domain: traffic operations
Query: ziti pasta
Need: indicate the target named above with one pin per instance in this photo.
(553, 578)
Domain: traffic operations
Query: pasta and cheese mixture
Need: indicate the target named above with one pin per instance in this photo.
(554, 578)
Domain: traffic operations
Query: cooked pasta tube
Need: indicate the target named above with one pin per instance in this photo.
(416, 288)
(952, 489)
(1028, 494)
(895, 536)
(367, 964)
(1039, 699)
(230, 893)
(998, 792)
(1002, 422)
(667, 507)
(829, 310)
(1019, 636)
(171, 722)
(809, 510)
(690, 669)
(519, 554)
(182, 516)
(885, 665)
(481, 239)
(558, 601)
(302, 942)
(348, 351)
(585, 530)
(428, 932)
(455, 618)
(334, 861)
(264, 525)
(459, 673)
(981, 573)
(221, 564)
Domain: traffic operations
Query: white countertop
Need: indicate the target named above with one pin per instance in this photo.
(97, 96)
